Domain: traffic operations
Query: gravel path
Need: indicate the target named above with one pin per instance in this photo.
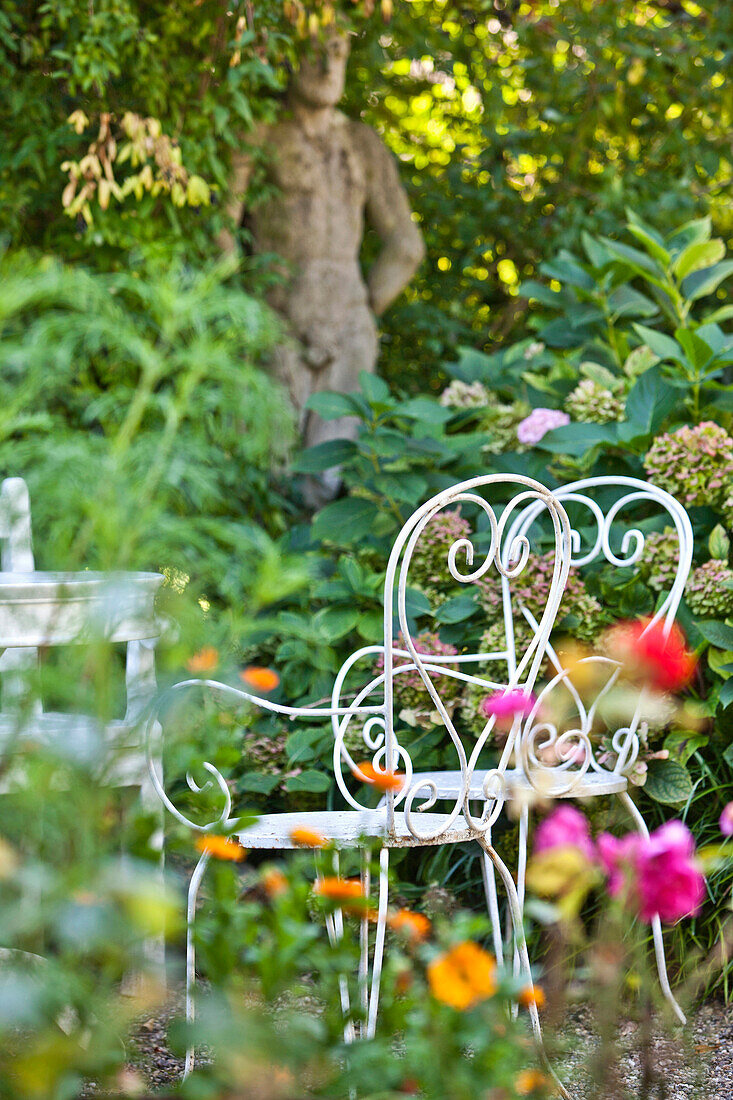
(696, 1062)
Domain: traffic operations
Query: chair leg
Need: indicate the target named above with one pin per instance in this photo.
(364, 940)
(521, 872)
(521, 942)
(335, 930)
(193, 890)
(641, 826)
(492, 903)
(379, 942)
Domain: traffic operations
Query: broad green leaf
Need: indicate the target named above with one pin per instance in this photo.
(702, 283)
(652, 246)
(650, 401)
(720, 661)
(424, 408)
(698, 353)
(723, 314)
(416, 603)
(335, 622)
(726, 698)
(691, 232)
(719, 543)
(681, 744)
(374, 388)
(541, 293)
(259, 783)
(668, 782)
(576, 439)
(344, 521)
(637, 261)
(663, 346)
(597, 253)
(697, 256)
(312, 781)
(717, 633)
(323, 456)
(639, 360)
(333, 405)
(305, 744)
(456, 610)
(627, 302)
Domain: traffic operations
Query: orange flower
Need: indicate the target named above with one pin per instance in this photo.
(532, 995)
(205, 660)
(416, 926)
(309, 838)
(463, 976)
(383, 781)
(529, 1081)
(347, 892)
(263, 679)
(274, 882)
(221, 847)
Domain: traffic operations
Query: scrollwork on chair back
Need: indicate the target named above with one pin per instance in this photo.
(430, 667)
(631, 542)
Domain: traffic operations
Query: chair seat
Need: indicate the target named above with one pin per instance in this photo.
(593, 783)
(349, 827)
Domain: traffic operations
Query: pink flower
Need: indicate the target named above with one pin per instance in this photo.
(504, 705)
(565, 827)
(540, 421)
(726, 820)
(660, 872)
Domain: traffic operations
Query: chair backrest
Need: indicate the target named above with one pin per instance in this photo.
(16, 548)
(611, 535)
(481, 496)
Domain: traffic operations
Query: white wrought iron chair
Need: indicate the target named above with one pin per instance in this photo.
(45, 609)
(399, 822)
(576, 774)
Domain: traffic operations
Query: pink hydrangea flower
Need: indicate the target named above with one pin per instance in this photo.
(540, 421)
(726, 820)
(660, 871)
(565, 827)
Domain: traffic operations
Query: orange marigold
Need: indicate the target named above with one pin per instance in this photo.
(383, 781)
(529, 1081)
(205, 660)
(221, 847)
(274, 882)
(415, 925)
(309, 838)
(348, 892)
(463, 976)
(263, 679)
(532, 995)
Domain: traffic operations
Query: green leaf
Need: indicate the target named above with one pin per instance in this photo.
(668, 782)
(682, 744)
(259, 783)
(374, 388)
(717, 633)
(312, 781)
(653, 247)
(576, 439)
(333, 405)
(726, 698)
(335, 622)
(323, 456)
(702, 283)
(697, 351)
(305, 744)
(723, 314)
(344, 521)
(424, 408)
(637, 261)
(457, 610)
(639, 360)
(697, 230)
(663, 346)
(720, 661)
(697, 256)
(531, 289)
(650, 401)
(416, 603)
(719, 543)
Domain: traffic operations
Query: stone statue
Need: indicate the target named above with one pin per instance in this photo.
(330, 174)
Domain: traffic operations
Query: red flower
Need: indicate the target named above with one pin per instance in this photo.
(652, 653)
